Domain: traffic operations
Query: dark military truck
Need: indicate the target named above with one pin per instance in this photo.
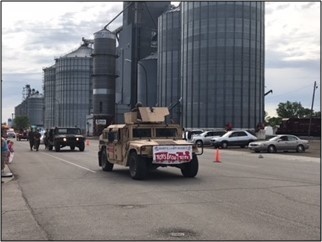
(145, 142)
(60, 137)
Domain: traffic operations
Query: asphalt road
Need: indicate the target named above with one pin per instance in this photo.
(66, 196)
(313, 151)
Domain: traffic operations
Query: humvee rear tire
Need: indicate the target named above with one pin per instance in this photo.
(50, 147)
(106, 165)
(190, 169)
(138, 167)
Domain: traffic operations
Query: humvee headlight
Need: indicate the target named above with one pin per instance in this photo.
(77, 139)
(64, 139)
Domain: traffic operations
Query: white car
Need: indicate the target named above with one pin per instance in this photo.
(234, 138)
(205, 137)
(42, 137)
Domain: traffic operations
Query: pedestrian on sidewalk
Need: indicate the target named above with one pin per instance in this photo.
(4, 157)
(11, 151)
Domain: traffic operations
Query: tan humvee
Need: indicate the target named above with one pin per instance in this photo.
(145, 142)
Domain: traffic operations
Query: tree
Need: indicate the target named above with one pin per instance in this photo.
(292, 110)
(21, 122)
(316, 114)
(273, 121)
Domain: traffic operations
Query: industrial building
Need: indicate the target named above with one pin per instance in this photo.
(68, 88)
(103, 79)
(169, 49)
(210, 66)
(137, 40)
(222, 64)
(31, 107)
(204, 60)
(49, 96)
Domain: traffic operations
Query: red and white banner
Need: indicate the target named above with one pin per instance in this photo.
(169, 155)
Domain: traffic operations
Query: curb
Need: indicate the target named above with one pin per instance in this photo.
(6, 171)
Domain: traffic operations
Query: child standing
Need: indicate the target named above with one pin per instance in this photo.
(11, 151)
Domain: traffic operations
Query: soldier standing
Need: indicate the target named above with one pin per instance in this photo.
(31, 135)
(37, 136)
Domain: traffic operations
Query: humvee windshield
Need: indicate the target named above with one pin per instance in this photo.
(68, 131)
(142, 133)
(164, 132)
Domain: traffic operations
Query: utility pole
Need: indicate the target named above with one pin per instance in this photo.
(314, 87)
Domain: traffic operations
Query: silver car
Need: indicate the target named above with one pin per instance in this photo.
(282, 142)
(205, 137)
(233, 138)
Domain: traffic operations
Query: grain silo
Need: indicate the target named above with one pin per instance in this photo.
(73, 87)
(169, 44)
(147, 80)
(49, 96)
(222, 64)
(104, 57)
(35, 109)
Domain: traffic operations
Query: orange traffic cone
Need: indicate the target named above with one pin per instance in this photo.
(87, 142)
(217, 158)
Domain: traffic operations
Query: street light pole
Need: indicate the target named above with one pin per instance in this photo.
(314, 87)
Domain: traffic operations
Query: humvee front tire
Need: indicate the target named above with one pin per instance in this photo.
(106, 165)
(190, 169)
(57, 147)
(138, 167)
(81, 146)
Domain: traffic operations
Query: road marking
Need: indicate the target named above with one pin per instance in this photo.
(70, 163)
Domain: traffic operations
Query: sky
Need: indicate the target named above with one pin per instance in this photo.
(35, 33)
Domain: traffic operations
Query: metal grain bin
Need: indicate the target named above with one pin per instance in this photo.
(104, 59)
(73, 87)
(147, 80)
(169, 44)
(49, 96)
(222, 63)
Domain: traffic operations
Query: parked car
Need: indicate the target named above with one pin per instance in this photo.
(205, 137)
(233, 138)
(283, 142)
(22, 135)
(187, 134)
(11, 134)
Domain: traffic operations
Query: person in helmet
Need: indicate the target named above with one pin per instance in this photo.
(37, 136)
(136, 109)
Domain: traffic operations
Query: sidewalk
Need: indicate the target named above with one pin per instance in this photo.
(6, 171)
(18, 221)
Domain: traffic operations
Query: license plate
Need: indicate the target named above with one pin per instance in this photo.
(171, 155)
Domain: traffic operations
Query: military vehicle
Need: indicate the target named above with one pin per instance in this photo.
(146, 142)
(60, 137)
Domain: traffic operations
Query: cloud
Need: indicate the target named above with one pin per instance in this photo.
(277, 59)
(292, 53)
(308, 5)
